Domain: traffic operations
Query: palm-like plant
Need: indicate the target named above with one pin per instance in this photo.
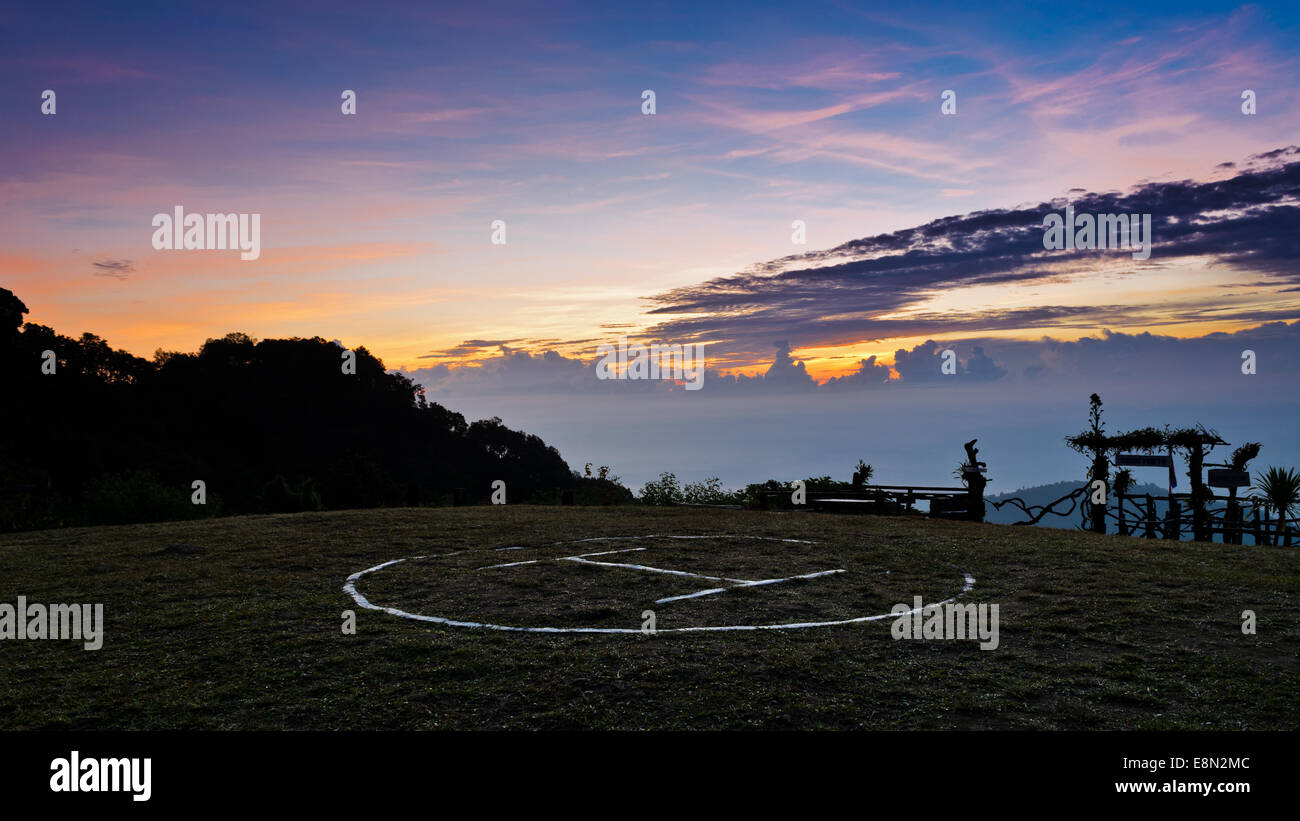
(963, 471)
(1280, 489)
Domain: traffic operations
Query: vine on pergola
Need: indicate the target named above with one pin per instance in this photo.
(1194, 443)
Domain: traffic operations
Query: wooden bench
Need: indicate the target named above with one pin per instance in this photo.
(945, 502)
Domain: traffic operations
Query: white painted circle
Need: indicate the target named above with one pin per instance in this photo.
(351, 589)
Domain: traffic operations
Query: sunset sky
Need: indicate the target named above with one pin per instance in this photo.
(376, 227)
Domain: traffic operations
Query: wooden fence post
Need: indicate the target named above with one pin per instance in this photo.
(975, 483)
(1173, 520)
(1199, 524)
(1232, 522)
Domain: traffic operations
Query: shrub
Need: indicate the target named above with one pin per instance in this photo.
(139, 496)
(711, 492)
(664, 491)
(593, 491)
(278, 497)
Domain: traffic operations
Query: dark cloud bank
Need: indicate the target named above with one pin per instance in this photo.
(840, 296)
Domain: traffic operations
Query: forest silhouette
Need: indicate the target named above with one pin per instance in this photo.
(268, 426)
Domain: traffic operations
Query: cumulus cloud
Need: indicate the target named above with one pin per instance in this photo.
(785, 370)
(523, 373)
(869, 374)
(924, 364)
(1208, 363)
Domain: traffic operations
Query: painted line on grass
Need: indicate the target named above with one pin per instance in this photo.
(351, 589)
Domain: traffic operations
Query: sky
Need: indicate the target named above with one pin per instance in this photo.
(922, 230)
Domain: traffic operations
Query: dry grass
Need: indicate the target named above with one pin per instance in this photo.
(1096, 632)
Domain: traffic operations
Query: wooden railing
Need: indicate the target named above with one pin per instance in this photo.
(1178, 520)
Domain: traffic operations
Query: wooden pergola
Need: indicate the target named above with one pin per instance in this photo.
(1195, 442)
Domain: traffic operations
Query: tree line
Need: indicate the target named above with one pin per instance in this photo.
(95, 435)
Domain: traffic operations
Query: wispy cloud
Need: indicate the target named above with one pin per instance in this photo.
(116, 268)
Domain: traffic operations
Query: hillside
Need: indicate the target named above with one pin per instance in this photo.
(236, 623)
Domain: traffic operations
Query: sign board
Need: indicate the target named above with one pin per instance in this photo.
(1229, 478)
(1138, 460)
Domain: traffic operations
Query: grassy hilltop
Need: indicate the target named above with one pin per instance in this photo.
(1095, 631)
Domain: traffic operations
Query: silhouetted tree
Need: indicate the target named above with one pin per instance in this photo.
(1094, 442)
(268, 425)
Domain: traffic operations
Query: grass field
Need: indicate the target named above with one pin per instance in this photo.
(1095, 632)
